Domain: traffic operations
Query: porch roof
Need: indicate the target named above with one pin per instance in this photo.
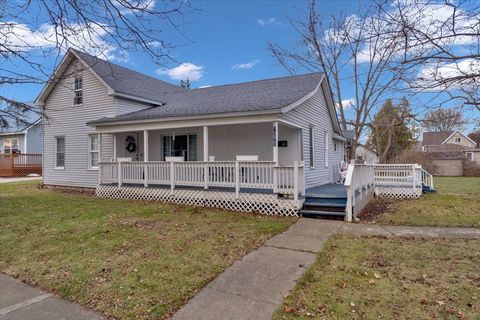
(255, 96)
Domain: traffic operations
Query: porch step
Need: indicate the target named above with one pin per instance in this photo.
(428, 189)
(319, 213)
(329, 202)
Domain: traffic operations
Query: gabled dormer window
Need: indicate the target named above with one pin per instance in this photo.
(78, 90)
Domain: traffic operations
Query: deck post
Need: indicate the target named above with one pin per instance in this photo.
(172, 176)
(275, 155)
(414, 175)
(205, 155)
(145, 158)
(119, 174)
(237, 179)
(295, 180)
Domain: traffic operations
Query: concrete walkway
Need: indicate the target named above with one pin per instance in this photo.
(19, 179)
(19, 301)
(253, 287)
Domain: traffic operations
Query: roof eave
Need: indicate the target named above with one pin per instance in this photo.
(98, 123)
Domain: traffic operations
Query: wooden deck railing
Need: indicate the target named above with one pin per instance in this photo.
(359, 183)
(229, 174)
(15, 165)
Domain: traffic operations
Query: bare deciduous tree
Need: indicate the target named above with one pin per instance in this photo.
(441, 39)
(361, 49)
(31, 31)
(443, 119)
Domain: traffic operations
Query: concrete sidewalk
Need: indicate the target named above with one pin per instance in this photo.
(19, 301)
(253, 287)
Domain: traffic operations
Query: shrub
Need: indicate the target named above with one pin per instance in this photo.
(471, 168)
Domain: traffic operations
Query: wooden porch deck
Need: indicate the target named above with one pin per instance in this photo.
(328, 190)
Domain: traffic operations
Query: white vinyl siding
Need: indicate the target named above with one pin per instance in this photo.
(93, 151)
(314, 111)
(63, 120)
(59, 152)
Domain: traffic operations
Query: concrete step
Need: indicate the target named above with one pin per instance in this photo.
(320, 213)
(329, 204)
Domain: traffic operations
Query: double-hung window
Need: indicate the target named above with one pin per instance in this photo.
(311, 141)
(78, 90)
(93, 151)
(10, 146)
(327, 143)
(60, 152)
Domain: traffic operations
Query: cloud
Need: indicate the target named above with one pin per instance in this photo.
(18, 37)
(184, 71)
(268, 21)
(347, 103)
(435, 77)
(246, 65)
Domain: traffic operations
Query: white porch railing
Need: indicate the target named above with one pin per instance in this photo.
(401, 180)
(288, 180)
(359, 183)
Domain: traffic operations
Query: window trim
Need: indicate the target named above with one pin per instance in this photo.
(459, 139)
(326, 143)
(176, 134)
(467, 154)
(75, 90)
(90, 151)
(11, 144)
(311, 146)
(57, 167)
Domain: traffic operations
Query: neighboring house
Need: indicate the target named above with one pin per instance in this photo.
(367, 155)
(100, 112)
(22, 136)
(448, 150)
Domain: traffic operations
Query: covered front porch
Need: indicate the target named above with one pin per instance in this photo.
(262, 158)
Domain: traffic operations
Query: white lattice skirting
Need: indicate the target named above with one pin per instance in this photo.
(362, 201)
(399, 192)
(268, 204)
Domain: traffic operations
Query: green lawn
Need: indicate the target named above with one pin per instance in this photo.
(378, 278)
(125, 259)
(456, 203)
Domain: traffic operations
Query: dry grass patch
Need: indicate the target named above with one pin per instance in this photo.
(128, 260)
(377, 278)
(455, 204)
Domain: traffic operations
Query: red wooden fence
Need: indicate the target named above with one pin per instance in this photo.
(17, 165)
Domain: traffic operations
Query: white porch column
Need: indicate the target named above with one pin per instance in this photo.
(99, 157)
(275, 142)
(114, 147)
(205, 155)
(275, 155)
(145, 157)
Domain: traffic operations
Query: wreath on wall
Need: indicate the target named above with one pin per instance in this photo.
(130, 144)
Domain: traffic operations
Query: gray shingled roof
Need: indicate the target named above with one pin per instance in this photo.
(262, 95)
(22, 121)
(435, 138)
(129, 82)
